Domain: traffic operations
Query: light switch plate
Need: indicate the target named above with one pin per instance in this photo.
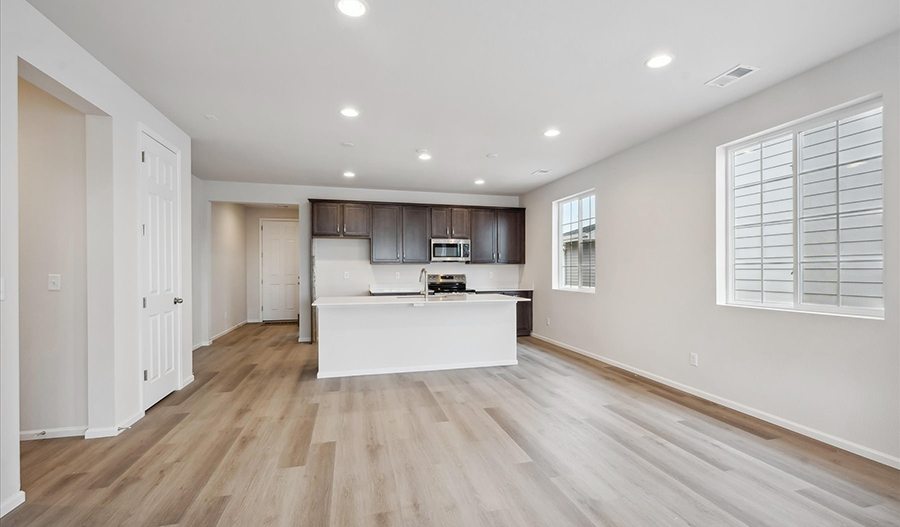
(54, 282)
(346, 274)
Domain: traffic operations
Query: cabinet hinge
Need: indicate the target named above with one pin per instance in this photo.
(145, 302)
(145, 375)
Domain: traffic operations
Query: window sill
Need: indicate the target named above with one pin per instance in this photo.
(575, 290)
(863, 315)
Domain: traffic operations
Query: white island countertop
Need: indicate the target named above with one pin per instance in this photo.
(334, 301)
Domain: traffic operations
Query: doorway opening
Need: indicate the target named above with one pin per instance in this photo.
(254, 265)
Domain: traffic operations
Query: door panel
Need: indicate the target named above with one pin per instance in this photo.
(356, 220)
(459, 223)
(326, 219)
(160, 259)
(386, 237)
(509, 235)
(484, 236)
(280, 270)
(416, 227)
(440, 222)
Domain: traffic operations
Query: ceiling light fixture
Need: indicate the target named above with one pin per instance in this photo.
(211, 117)
(349, 174)
(553, 132)
(351, 8)
(424, 155)
(348, 145)
(349, 112)
(658, 61)
(479, 182)
(491, 155)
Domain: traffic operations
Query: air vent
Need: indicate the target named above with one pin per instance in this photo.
(541, 172)
(731, 76)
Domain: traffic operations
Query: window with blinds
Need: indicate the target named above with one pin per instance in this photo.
(806, 213)
(576, 252)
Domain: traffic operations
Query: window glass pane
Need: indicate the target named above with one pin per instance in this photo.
(576, 249)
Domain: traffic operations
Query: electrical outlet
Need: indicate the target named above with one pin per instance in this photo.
(491, 274)
(396, 275)
(346, 274)
(225, 316)
(54, 282)
(548, 321)
(694, 359)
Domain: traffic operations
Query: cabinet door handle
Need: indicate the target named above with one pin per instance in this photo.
(448, 231)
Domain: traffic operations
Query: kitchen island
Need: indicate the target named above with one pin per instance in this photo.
(367, 335)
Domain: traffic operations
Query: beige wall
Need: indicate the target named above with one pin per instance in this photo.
(228, 291)
(52, 227)
(253, 215)
(834, 378)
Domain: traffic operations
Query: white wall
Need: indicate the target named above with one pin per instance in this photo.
(834, 378)
(250, 193)
(228, 293)
(253, 215)
(52, 239)
(334, 256)
(200, 212)
(28, 36)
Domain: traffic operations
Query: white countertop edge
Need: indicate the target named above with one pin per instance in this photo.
(335, 301)
(382, 289)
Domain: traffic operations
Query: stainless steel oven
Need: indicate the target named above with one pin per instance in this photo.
(450, 250)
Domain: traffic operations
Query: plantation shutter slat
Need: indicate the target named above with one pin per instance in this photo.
(841, 213)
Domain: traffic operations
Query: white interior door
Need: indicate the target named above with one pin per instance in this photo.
(160, 262)
(280, 270)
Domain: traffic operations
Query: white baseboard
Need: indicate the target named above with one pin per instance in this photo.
(97, 433)
(12, 502)
(227, 331)
(185, 382)
(305, 339)
(200, 345)
(843, 444)
(255, 321)
(130, 421)
(381, 371)
(52, 433)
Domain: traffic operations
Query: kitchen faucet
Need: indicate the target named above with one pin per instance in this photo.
(423, 277)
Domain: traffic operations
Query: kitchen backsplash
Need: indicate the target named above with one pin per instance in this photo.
(335, 257)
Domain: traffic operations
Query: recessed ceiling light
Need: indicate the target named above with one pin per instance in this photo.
(491, 155)
(424, 155)
(354, 8)
(553, 132)
(479, 182)
(349, 174)
(348, 145)
(211, 117)
(349, 112)
(658, 61)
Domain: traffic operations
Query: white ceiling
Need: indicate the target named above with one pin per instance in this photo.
(460, 78)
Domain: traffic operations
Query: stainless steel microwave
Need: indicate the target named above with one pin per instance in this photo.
(450, 250)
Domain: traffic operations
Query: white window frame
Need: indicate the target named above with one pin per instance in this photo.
(725, 213)
(557, 265)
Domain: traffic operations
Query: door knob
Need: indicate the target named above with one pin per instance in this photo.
(178, 300)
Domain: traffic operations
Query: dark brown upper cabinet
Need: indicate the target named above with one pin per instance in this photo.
(510, 236)
(459, 223)
(440, 222)
(331, 219)
(326, 219)
(356, 220)
(450, 222)
(416, 230)
(484, 236)
(387, 231)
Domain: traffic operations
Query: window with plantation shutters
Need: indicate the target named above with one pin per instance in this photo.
(805, 216)
(575, 251)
